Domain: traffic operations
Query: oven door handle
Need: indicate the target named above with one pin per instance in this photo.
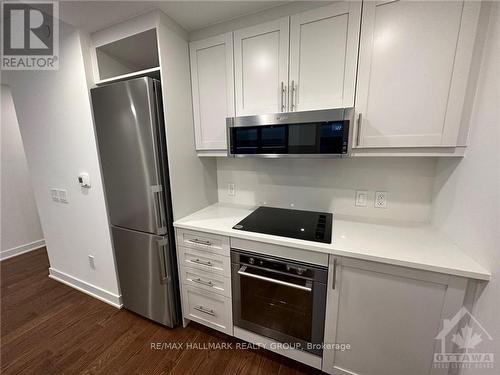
(242, 272)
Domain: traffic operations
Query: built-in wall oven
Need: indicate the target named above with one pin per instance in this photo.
(280, 299)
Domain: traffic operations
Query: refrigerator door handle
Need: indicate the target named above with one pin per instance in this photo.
(159, 209)
(164, 269)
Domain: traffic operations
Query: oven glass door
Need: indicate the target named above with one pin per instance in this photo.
(279, 305)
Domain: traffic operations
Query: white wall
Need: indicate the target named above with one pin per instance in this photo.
(54, 114)
(330, 184)
(467, 193)
(20, 226)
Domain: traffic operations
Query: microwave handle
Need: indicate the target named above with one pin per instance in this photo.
(242, 272)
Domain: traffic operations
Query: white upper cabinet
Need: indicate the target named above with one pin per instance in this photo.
(414, 63)
(212, 82)
(261, 68)
(323, 57)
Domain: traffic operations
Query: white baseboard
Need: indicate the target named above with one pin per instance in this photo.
(18, 250)
(83, 286)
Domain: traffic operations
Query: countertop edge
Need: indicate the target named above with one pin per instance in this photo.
(345, 253)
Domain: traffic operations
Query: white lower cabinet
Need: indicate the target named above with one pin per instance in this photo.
(203, 260)
(205, 279)
(208, 281)
(210, 309)
(389, 316)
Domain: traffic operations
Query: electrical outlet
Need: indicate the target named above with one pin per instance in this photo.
(231, 190)
(92, 262)
(54, 193)
(361, 198)
(380, 199)
(63, 195)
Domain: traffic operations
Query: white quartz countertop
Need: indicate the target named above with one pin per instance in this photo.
(420, 247)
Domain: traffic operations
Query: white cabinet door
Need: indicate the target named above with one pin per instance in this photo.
(323, 56)
(388, 315)
(212, 83)
(413, 69)
(261, 68)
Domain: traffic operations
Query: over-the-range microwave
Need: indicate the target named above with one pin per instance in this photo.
(323, 133)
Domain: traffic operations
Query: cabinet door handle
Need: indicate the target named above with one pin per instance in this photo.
(292, 96)
(358, 128)
(198, 261)
(203, 282)
(282, 96)
(201, 242)
(334, 276)
(205, 310)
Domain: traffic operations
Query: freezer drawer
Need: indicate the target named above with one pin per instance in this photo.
(145, 274)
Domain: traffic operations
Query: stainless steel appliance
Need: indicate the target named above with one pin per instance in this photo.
(324, 133)
(132, 147)
(303, 225)
(278, 298)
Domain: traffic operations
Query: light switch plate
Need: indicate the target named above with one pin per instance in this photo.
(380, 199)
(231, 190)
(361, 198)
(54, 193)
(63, 195)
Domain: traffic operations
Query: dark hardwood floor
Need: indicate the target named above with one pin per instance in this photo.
(50, 328)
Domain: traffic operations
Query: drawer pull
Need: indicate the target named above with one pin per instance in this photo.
(207, 263)
(201, 242)
(203, 282)
(205, 310)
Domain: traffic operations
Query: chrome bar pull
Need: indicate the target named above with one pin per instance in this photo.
(198, 261)
(292, 96)
(242, 272)
(201, 242)
(159, 209)
(203, 282)
(334, 276)
(205, 310)
(358, 128)
(283, 93)
(164, 274)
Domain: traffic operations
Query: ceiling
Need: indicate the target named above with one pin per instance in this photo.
(191, 15)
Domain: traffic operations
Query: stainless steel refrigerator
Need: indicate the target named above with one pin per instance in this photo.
(132, 147)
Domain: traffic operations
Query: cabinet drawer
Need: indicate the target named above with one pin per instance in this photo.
(205, 261)
(209, 309)
(208, 281)
(205, 241)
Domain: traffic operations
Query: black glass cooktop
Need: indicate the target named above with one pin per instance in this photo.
(303, 225)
